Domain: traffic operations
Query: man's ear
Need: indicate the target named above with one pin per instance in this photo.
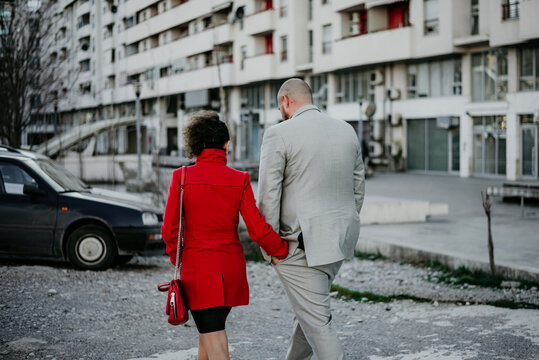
(286, 101)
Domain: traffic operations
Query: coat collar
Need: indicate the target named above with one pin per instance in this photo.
(303, 109)
(212, 157)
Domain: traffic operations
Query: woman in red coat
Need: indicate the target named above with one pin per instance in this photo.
(213, 267)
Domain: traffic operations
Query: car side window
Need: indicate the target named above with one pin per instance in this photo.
(14, 178)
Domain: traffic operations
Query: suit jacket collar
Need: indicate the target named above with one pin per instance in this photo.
(303, 109)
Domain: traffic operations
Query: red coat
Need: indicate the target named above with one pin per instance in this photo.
(213, 268)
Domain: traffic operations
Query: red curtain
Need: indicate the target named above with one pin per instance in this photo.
(397, 14)
(269, 44)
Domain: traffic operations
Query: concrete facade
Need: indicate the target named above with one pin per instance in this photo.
(444, 86)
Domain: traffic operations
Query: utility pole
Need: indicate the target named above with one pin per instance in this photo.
(139, 160)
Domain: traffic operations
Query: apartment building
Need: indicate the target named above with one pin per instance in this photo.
(437, 86)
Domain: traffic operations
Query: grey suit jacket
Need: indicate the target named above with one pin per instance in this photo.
(312, 180)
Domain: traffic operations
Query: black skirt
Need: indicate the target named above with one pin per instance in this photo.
(211, 319)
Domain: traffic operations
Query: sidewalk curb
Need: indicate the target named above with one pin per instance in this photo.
(410, 254)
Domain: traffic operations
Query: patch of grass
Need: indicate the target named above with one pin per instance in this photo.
(508, 304)
(367, 256)
(463, 275)
(255, 256)
(352, 295)
(347, 294)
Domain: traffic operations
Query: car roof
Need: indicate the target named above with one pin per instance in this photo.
(8, 151)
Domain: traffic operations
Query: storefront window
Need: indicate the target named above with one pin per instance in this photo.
(433, 144)
(489, 145)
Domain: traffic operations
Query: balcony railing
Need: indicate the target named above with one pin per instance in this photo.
(510, 10)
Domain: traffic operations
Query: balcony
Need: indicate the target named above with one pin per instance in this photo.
(366, 49)
(342, 5)
(164, 21)
(181, 48)
(256, 68)
(260, 22)
(199, 79)
(223, 34)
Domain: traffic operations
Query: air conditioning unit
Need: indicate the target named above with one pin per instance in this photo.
(375, 149)
(376, 77)
(394, 94)
(396, 148)
(396, 119)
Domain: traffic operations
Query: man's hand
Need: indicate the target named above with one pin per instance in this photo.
(274, 261)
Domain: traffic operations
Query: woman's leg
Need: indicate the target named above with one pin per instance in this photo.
(202, 353)
(215, 345)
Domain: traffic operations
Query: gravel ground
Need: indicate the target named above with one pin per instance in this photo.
(385, 277)
(50, 311)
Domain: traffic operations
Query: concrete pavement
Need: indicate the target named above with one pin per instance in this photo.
(459, 238)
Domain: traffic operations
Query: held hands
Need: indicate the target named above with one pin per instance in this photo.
(274, 260)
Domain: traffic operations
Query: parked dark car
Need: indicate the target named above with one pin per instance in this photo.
(46, 212)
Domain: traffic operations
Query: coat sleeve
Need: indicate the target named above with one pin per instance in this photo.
(171, 218)
(261, 232)
(270, 178)
(359, 180)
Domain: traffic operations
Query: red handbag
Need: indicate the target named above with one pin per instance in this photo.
(176, 308)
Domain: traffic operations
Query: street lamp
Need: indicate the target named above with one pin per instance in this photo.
(137, 86)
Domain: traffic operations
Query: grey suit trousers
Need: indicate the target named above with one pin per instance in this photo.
(308, 290)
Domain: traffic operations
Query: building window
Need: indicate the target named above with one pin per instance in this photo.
(243, 52)
(489, 145)
(284, 52)
(165, 71)
(529, 146)
(310, 46)
(274, 90)
(529, 69)
(510, 9)
(319, 86)
(354, 85)
(489, 75)
(435, 78)
(83, 20)
(324, 2)
(253, 96)
(357, 23)
(431, 23)
(283, 8)
(475, 17)
(310, 10)
(84, 66)
(326, 39)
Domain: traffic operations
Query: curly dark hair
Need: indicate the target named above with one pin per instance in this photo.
(205, 131)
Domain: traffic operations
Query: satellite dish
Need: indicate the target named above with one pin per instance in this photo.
(85, 46)
(370, 110)
(114, 9)
(240, 13)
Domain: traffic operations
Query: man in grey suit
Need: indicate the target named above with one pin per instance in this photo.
(311, 188)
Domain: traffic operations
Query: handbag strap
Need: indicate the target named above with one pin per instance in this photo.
(179, 248)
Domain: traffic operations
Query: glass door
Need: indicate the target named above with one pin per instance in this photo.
(530, 151)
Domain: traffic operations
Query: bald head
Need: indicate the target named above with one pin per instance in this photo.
(296, 90)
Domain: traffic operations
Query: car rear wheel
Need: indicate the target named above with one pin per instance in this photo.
(91, 247)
